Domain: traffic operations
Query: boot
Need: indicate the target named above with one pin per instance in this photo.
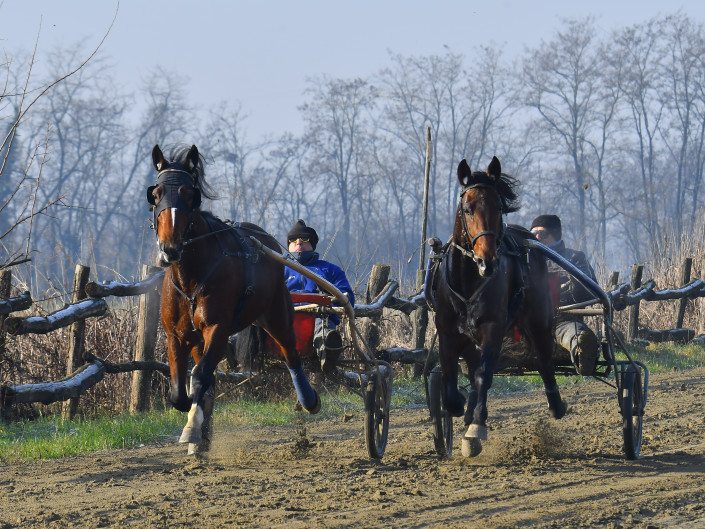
(332, 347)
(585, 353)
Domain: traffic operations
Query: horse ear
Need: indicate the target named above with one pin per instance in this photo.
(494, 170)
(464, 173)
(192, 156)
(158, 158)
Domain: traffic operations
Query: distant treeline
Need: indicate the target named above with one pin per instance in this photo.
(605, 129)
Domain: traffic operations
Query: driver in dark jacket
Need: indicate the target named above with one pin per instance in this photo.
(302, 241)
(571, 332)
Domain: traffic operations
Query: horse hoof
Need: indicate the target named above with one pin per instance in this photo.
(476, 431)
(560, 411)
(190, 435)
(316, 407)
(471, 447)
(198, 449)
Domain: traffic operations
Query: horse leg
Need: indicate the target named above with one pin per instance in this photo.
(278, 321)
(482, 382)
(448, 345)
(203, 387)
(178, 354)
(204, 444)
(541, 341)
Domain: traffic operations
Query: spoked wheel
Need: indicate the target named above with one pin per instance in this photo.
(377, 400)
(441, 420)
(632, 415)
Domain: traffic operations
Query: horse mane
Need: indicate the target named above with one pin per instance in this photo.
(178, 154)
(506, 186)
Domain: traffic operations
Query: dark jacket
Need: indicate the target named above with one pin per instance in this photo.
(296, 282)
(571, 290)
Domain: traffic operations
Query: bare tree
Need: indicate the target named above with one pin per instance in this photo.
(561, 80)
(638, 47)
(338, 131)
(684, 129)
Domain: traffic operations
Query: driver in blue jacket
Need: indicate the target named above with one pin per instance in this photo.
(302, 241)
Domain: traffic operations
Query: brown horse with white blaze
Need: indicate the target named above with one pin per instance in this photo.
(488, 283)
(216, 284)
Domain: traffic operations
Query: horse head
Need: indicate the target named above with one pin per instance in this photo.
(174, 199)
(479, 225)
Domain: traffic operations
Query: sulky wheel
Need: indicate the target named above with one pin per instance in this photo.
(377, 414)
(441, 420)
(632, 415)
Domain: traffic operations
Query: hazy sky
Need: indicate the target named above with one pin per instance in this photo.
(259, 53)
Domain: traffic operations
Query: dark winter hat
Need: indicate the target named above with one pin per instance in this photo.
(300, 230)
(551, 222)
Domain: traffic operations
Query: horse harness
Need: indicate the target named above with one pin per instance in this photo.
(247, 253)
(508, 246)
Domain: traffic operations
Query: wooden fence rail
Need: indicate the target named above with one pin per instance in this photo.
(379, 298)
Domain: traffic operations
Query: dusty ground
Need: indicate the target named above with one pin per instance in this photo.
(534, 472)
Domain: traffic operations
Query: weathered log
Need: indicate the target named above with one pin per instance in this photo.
(621, 299)
(114, 288)
(670, 335)
(405, 356)
(137, 365)
(47, 392)
(21, 302)
(56, 320)
(380, 302)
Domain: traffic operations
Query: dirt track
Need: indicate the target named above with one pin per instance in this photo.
(533, 472)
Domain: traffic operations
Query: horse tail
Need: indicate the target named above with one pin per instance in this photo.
(249, 347)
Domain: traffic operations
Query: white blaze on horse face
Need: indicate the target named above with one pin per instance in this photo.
(173, 219)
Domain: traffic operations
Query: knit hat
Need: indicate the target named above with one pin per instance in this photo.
(551, 222)
(300, 230)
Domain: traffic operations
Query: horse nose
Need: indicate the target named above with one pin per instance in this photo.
(171, 253)
(485, 267)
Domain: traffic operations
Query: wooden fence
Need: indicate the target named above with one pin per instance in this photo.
(84, 371)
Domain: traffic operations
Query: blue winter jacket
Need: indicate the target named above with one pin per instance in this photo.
(296, 282)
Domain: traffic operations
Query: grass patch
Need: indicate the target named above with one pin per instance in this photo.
(54, 437)
(662, 358)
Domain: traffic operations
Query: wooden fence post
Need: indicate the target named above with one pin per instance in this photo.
(633, 326)
(77, 334)
(613, 280)
(147, 325)
(682, 303)
(419, 320)
(378, 280)
(420, 315)
(5, 288)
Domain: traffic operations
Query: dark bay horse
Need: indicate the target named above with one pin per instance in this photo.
(488, 283)
(216, 284)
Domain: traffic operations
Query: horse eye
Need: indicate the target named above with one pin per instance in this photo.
(468, 209)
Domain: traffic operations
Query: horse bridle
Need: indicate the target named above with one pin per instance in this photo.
(466, 232)
(172, 181)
